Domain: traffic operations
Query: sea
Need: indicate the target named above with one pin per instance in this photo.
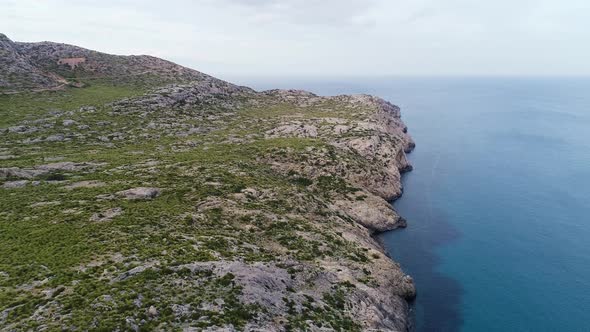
(498, 203)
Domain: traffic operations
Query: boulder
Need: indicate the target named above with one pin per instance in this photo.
(55, 138)
(140, 193)
(15, 184)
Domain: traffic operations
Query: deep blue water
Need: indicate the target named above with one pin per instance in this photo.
(498, 202)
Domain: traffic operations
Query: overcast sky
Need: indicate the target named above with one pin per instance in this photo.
(322, 37)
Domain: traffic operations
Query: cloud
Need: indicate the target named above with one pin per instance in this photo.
(307, 12)
(322, 38)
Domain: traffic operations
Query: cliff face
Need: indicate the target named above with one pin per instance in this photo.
(17, 72)
(199, 205)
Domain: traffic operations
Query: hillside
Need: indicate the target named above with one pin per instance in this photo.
(46, 65)
(145, 195)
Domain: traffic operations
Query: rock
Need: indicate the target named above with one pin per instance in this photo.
(55, 158)
(181, 309)
(17, 129)
(67, 166)
(341, 129)
(140, 193)
(87, 109)
(402, 222)
(136, 270)
(138, 301)
(373, 212)
(55, 138)
(251, 192)
(22, 129)
(28, 173)
(15, 172)
(152, 311)
(42, 204)
(105, 197)
(107, 215)
(67, 123)
(15, 184)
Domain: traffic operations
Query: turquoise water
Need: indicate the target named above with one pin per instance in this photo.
(498, 202)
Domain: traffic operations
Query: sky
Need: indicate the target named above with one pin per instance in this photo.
(323, 38)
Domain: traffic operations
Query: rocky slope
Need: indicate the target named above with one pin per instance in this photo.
(47, 65)
(17, 72)
(197, 205)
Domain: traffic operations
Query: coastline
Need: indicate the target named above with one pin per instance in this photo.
(270, 201)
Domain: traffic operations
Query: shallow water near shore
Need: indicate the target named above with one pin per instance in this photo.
(498, 235)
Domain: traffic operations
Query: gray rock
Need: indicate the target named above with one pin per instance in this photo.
(87, 109)
(15, 184)
(15, 172)
(22, 129)
(152, 311)
(55, 138)
(28, 173)
(136, 270)
(140, 193)
(68, 122)
(56, 158)
(17, 129)
(107, 215)
(48, 203)
(67, 166)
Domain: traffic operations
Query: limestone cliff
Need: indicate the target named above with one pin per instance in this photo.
(197, 205)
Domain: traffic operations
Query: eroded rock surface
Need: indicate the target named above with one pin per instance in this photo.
(106, 215)
(140, 193)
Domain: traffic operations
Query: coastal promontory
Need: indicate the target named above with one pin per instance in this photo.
(138, 194)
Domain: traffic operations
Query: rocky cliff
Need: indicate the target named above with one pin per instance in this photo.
(49, 65)
(200, 205)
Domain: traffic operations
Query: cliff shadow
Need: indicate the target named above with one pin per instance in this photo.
(437, 306)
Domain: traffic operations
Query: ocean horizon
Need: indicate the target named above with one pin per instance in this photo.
(497, 203)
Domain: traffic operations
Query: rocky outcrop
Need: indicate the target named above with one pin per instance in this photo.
(140, 193)
(373, 212)
(210, 92)
(43, 65)
(106, 215)
(17, 72)
(42, 170)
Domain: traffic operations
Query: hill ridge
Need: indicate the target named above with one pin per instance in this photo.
(177, 201)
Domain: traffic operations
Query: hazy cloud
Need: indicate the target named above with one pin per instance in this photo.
(304, 12)
(329, 37)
